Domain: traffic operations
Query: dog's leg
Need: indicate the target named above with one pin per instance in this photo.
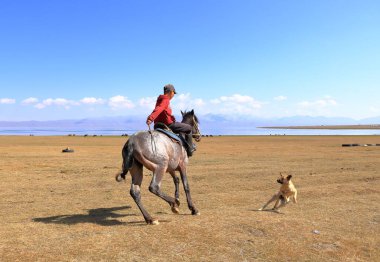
(281, 201)
(295, 197)
(284, 202)
(275, 204)
(274, 197)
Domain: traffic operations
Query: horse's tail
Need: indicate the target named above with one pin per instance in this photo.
(127, 153)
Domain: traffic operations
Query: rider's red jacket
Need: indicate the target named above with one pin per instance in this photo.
(162, 112)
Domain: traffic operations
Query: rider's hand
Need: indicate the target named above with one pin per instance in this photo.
(148, 121)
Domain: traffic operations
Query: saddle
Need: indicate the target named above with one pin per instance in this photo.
(176, 138)
(162, 128)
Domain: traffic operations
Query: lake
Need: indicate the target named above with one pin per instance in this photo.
(225, 131)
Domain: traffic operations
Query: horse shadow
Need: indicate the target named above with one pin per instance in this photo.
(99, 216)
(268, 210)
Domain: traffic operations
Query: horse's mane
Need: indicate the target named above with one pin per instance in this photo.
(187, 114)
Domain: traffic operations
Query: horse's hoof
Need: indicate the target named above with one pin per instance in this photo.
(177, 201)
(153, 222)
(195, 213)
(175, 210)
(119, 178)
(174, 206)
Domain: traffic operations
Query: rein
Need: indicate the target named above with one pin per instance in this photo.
(153, 143)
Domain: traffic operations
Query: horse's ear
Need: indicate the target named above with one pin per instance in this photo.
(182, 113)
(192, 112)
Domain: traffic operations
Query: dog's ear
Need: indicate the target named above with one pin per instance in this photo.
(289, 177)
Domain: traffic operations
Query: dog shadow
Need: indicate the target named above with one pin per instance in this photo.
(99, 216)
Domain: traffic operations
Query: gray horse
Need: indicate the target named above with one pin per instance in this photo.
(160, 154)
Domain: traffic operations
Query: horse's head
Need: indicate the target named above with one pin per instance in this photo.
(191, 119)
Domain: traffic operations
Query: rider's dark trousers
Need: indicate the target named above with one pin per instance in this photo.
(178, 127)
(186, 129)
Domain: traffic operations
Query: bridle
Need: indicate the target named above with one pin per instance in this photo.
(197, 135)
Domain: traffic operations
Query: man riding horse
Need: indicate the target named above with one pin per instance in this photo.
(156, 151)
(162, 113)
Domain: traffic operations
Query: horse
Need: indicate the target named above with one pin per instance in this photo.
(158, 153)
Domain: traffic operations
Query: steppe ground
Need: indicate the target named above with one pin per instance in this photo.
(67, 206)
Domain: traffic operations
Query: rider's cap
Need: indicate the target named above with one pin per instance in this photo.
(168, 88)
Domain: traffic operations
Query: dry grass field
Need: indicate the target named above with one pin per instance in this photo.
(67, 206)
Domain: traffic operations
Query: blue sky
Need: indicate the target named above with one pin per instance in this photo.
(66, 59)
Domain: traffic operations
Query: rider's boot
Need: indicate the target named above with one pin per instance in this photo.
(190, 148)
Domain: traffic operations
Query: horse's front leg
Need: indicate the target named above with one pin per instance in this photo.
(175, 208)
(186, 187)
(176, 184)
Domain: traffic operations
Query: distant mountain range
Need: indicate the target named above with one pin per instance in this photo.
(210, 124)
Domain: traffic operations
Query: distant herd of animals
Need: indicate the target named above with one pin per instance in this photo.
(86, 135)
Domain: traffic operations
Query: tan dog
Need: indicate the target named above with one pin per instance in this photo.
(287, 191)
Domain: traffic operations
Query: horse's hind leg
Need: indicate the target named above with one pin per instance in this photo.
(186, 187)
(137, 177)
(155, 187)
